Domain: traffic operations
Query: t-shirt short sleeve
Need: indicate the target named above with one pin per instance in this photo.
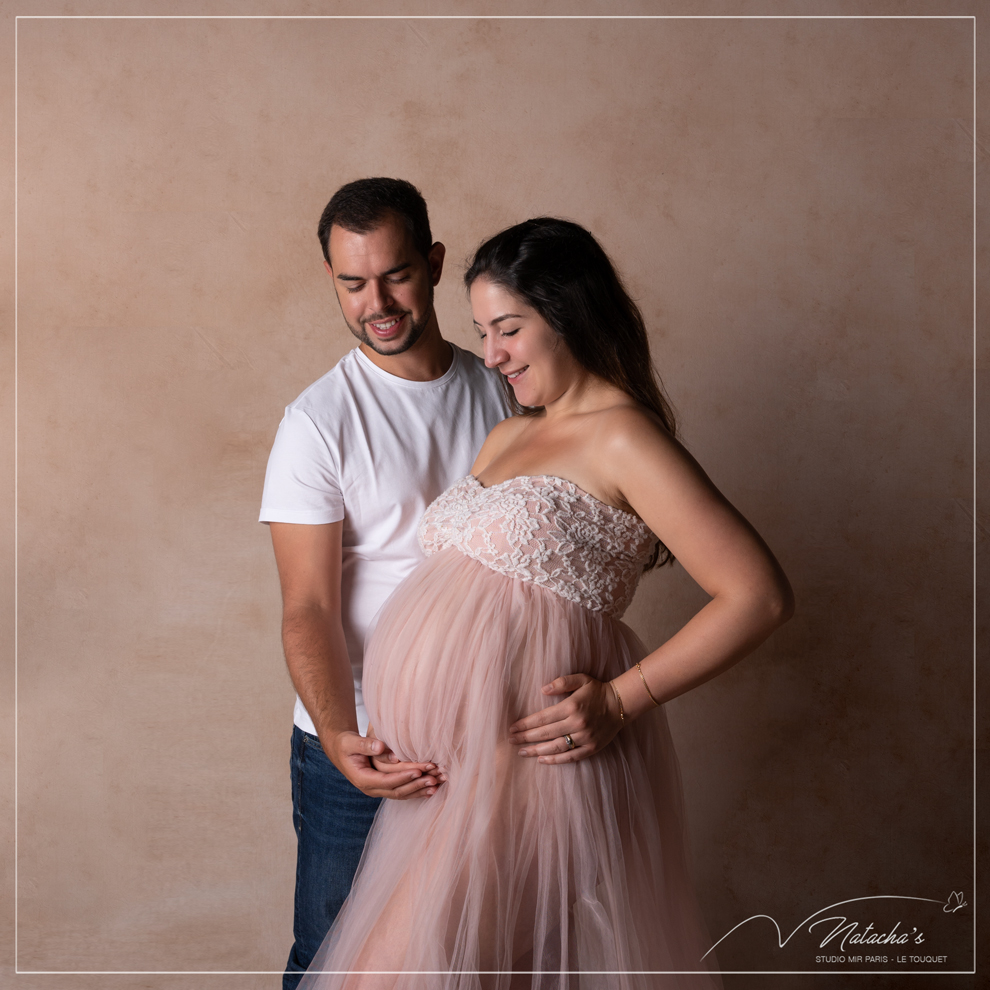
(302, 483)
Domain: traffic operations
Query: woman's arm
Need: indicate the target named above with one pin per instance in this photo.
(641, 466)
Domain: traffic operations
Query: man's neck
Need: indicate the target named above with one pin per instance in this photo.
(427, 360)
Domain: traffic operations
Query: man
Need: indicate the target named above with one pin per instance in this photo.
(357, 459)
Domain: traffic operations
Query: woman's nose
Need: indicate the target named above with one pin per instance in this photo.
(495, 352)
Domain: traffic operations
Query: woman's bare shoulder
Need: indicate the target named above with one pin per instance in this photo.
(635, 451)
(629, 427)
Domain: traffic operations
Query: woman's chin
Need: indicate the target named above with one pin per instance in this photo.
(527, 397)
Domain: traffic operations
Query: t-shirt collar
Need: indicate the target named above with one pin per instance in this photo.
(370, 365)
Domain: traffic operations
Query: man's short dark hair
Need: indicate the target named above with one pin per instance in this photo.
(363, 205)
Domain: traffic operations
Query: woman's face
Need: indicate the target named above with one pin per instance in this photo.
(520, 343)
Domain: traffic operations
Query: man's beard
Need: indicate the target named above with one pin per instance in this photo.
(416, 330)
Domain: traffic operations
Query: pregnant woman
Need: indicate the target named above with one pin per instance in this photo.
(552, 855)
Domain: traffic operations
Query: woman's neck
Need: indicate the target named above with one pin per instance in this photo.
(586, 393)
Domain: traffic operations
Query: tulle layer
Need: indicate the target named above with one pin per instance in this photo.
(515, 874)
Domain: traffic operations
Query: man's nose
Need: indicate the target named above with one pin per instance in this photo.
(380, 298)
(495, 352)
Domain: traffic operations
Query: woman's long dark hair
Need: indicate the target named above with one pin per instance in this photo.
(558, 268)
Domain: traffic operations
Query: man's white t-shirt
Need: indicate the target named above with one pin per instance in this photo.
(375, 450)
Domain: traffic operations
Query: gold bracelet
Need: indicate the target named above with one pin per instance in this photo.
(647, 686)
(618, 698)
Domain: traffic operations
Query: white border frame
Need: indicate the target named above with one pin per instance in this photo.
(506, 17)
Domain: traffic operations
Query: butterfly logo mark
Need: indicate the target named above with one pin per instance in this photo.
(954, 903)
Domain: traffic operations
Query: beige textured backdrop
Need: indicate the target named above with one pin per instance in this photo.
(791, 203)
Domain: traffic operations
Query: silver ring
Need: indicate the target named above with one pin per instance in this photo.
(569, 741)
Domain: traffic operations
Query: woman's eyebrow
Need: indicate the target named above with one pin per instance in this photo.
(499, 319)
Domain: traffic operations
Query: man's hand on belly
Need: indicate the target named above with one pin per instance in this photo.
(388, 762)
(352, 754)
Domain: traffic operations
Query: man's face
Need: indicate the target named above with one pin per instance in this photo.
(384, 285)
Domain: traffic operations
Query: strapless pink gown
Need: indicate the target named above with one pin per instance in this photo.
(516, 874)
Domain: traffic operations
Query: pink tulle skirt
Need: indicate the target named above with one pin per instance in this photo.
(514, 874)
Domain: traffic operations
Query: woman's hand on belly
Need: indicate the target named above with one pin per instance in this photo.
(574, 729)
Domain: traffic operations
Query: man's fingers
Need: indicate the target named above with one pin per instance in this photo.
(424, 787)
(363, 746)
(377, 783)
(383, 765)
(401, 767)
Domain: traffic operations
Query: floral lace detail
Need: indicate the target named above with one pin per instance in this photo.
(545, 530)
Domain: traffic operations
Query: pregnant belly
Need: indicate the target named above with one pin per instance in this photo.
(435, 664)
(460, 651)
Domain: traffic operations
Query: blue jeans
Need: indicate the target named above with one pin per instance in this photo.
(332, 819)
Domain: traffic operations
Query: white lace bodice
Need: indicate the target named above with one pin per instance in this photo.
(545, 530)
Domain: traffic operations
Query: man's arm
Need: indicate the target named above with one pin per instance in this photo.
(309, 567)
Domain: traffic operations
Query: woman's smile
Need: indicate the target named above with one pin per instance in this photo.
(522, 345)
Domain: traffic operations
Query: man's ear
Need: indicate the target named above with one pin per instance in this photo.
(326, 265)
(435, 258)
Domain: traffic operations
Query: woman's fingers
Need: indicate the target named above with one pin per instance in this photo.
(566, 683)
(558, 745)
(545, 733)
(586, 721)
(555, 713)
(565, 716)
(569, 755)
